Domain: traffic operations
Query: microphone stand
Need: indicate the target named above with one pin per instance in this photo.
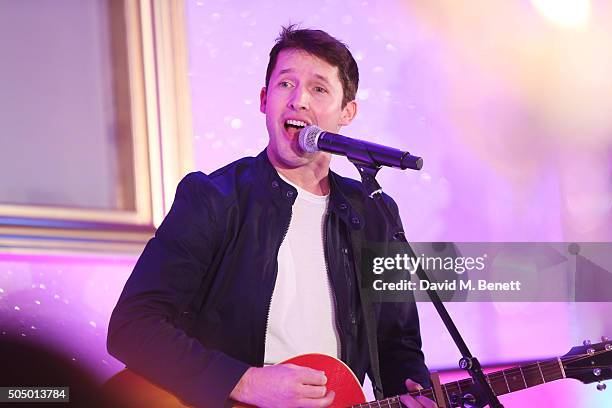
(484, 394)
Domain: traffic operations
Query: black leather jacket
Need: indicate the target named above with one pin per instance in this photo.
(192, 316)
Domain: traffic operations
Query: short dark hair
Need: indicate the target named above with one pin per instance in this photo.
(321, 45)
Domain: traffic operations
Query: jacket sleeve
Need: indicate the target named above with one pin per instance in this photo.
(399, 341)
(144, 331)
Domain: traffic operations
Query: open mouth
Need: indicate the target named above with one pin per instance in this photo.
(293, 126)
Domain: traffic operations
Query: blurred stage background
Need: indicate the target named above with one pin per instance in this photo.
(508, 102)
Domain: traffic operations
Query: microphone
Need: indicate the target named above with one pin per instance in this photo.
(313, 138)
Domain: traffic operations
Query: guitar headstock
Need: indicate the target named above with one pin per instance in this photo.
(590, 362)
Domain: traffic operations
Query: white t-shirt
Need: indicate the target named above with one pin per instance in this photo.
(302, 315)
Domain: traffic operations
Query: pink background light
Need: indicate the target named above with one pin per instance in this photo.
(513, 125)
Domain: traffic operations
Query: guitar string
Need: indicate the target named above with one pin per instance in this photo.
(517, 378)
(549, 367)
(533, 366)
(546, 368)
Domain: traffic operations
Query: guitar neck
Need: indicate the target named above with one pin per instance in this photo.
(502, 382)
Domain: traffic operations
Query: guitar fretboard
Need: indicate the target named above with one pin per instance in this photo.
(502, 382)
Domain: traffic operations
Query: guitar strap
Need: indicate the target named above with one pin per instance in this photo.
(370, 316)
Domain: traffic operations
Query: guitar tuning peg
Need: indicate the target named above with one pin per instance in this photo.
(604, 338)
(601, 386)
(586, 342)
(597, 372)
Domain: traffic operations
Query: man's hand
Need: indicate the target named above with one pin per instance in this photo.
(418, 402)
(283, 385)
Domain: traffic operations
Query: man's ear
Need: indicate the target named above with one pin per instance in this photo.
(348, 113)
(262, 100)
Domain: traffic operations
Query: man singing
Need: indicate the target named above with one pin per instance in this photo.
(256, 262)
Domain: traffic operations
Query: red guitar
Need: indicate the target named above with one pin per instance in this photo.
(588, 363)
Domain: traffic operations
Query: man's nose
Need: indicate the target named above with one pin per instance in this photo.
(299, 99)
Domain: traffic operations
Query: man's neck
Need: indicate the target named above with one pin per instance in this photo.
(316, 185)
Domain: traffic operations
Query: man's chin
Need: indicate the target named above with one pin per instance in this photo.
(293, 156)
(295, 161)
(287, 159)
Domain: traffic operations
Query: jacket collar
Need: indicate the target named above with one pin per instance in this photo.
(343, 202)
(284, 193)
(280, 191)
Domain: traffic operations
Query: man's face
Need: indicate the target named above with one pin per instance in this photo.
(303, 90)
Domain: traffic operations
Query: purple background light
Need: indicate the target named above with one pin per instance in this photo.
(513, 125)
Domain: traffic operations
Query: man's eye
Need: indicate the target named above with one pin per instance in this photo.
(320, 89)
(284, 84)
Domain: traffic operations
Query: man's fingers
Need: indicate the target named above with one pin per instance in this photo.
(412, 386)
(418, 402)
(309, 376)
(283, 385)
(410, 402)
(313, 391)
(426, 402)
(318, 402)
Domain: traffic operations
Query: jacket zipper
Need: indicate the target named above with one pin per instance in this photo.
(336, 310)
(274, 285)
(349, 281)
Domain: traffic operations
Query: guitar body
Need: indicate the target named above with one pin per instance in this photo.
(340, 378)
(135, 391)
(587, 363)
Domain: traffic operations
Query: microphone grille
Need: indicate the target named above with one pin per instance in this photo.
(309, 137)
